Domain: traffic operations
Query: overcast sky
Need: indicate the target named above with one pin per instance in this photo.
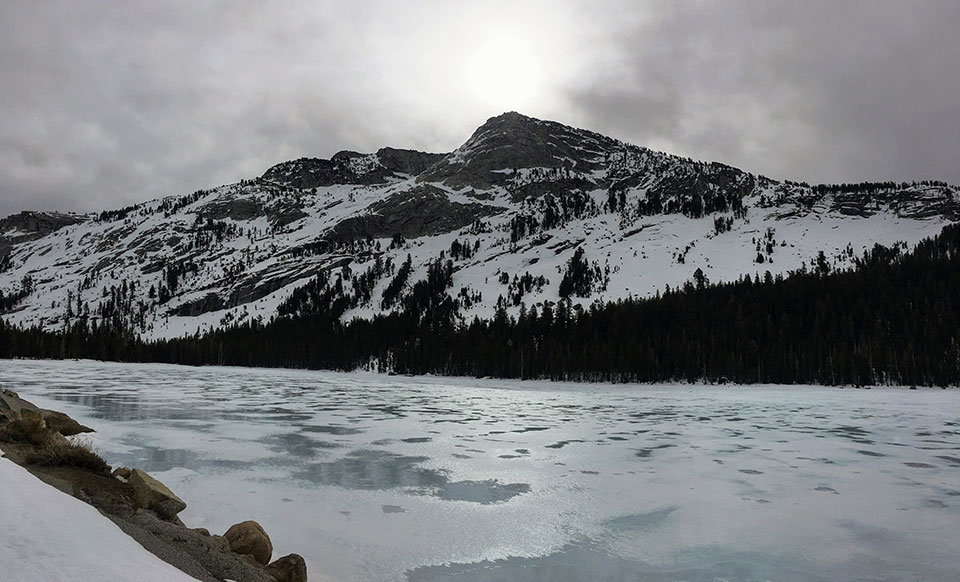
(107, 103)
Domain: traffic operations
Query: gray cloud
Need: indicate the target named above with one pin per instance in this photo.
(813, 90)
(108, 103)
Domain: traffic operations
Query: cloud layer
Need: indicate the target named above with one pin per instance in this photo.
(108, 103)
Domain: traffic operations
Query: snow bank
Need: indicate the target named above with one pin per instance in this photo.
(48, 535)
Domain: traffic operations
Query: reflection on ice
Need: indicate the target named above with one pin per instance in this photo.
(641, 520)
(372, 469)
(336, 430)
(484, 492)
(375, 469)
(294, 444)
(588, 561)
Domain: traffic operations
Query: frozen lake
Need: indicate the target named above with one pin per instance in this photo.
(378, 478)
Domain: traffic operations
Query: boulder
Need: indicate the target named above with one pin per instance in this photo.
(249, 559)
(13, 407)
(220, 542)
(154, 495)
(290, 568)
(10, 400)
(62, 423)
(248, 537)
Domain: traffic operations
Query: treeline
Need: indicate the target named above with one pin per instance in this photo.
(869, 187)
(894, 319)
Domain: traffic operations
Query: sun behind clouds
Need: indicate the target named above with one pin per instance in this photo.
(504, 75)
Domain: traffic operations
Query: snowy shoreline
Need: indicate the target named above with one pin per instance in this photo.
(499, 383)
(37, 546)
(119, 523)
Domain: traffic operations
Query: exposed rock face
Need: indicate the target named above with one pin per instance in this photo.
(283, 216)
(348, 167)
(290, 568)
(27, 226)
(249, 289)
(236, 209)
(921, 202)
(248, 537)
(152, 494)
(209, 302)
(38, 223)
(407, 161)
(424, 211)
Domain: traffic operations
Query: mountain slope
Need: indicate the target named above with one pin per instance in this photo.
(525, 209)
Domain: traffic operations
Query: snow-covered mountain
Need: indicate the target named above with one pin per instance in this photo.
(525, 210)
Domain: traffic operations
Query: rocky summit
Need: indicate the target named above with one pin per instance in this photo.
(505, 218)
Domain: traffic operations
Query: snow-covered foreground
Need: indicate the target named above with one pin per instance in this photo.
(49, 535)
(389, 478)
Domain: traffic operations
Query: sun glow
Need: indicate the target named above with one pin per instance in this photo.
(504, 74)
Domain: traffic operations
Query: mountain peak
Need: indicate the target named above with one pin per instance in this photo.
(511, 117)
(512, 141)
(510, 121)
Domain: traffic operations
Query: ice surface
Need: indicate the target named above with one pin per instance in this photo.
(49, 535)
(374, 477)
